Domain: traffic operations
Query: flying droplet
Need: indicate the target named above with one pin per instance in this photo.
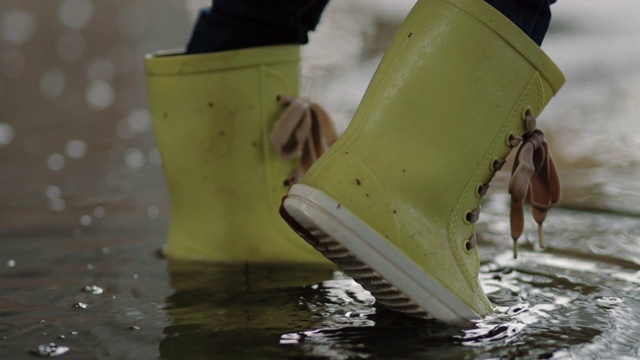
(153, 212)
(55, 162)
(85, 220)
(52, 83)
(6, 134)
(100, 95)
(99, 212)
(75, 149)
(53, 192)
(134, 158)
(17, 26)
(75, 14)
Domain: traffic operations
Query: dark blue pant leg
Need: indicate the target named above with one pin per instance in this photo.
(237, 24)
(531, 16)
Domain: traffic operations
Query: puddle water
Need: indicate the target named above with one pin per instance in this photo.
(577, 298)
(83, 208)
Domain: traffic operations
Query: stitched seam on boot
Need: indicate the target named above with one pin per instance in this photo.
(470, 187)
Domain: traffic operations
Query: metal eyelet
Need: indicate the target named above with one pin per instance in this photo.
(482, 189)
(471, 243)
(471, 217)
(513, 140)
(497, 164)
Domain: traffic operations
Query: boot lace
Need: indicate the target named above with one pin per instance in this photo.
(304, 131)
(534, 180)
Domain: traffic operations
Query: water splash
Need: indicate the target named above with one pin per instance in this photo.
(50, 350)
(80, 305)
(93, 289)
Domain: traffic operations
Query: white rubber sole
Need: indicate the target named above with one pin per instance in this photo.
(362, 253)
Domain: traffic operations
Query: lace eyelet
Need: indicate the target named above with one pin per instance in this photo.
(471, 217)
(497, 164)
(471, 243)
(482, 189)
(513, 140)
(527, 110)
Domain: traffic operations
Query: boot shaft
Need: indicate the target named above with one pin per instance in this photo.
(212, 116)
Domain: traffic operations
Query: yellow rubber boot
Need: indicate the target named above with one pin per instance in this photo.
(212, 115)
(394, 201)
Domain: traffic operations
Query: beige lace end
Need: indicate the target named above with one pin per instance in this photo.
(534, 179)
(304, 131)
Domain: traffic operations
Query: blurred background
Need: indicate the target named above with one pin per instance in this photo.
(82, 195)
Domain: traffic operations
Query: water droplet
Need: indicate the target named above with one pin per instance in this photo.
(80, 305)
(70, 46)
(139, 120)
(99, 212)
(153, 212)
(154, 157)
(61, 337)
(6, 134)
(74, 333)
(11, 263)
(75, 149)
(93, 289)
(134, 158)
(135, 276)
(52, 83)
(50, 350)
(90, 267)
(133, 327)
(57, 204)
(53, 192)
(290, 339)
(12, 62)
(85, 220)
(608, 301)
(75, 14)
(55, 162)
(105, 250)
(99, 95)
(17, 26)
(100, 69)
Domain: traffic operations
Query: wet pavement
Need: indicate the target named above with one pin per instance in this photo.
(82, 203)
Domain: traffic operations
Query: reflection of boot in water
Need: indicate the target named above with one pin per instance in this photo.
(223, 311)
(395, 200)
(213, 116)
